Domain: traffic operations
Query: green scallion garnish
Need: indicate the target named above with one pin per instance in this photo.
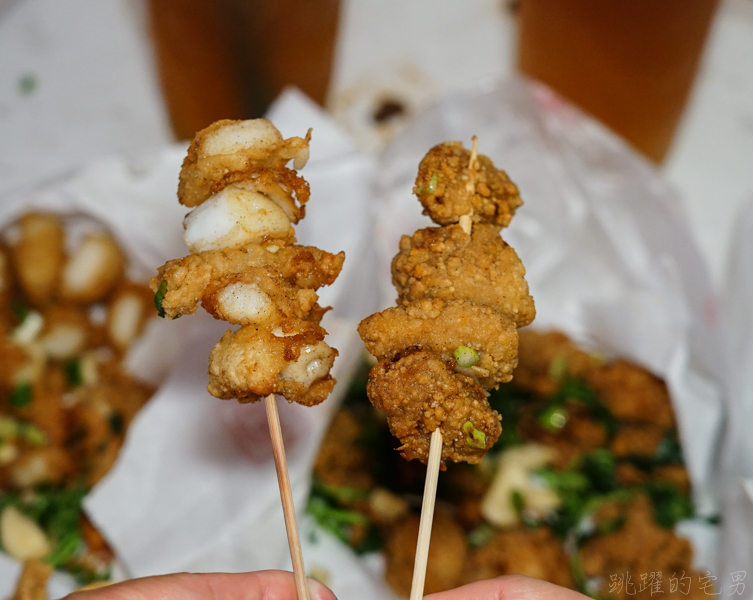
(159, 297)
(465, 356)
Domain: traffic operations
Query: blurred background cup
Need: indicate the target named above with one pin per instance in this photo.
(228, 59)
(629, 63)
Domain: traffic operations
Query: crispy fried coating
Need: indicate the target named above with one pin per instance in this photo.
(288, 358)
(442, 327)
(531, 552)
(199, 277)
(32, 584)
(632, 393)
(67, 332)
(38, 256)
(639, 546)
(39, 466)
(447, 553)
(539, 351)
(639, 441)
(420, 392)
(447, 263)
(448, 189)
(341, 461)
(230, 151)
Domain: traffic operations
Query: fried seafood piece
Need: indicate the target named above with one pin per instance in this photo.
(531, 552)
(443, 327)
(67, 332)
(289, 358)
(447, 263)
(203, 277)
(639, 546)
(545, 358)
(448, 189)
(230, 151)
(128, 312)
(447, 553)
(631, 393)
(92, 270)
(420, 392)
(38, 256)
(342, 461)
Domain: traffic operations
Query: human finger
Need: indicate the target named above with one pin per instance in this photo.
(509, 587)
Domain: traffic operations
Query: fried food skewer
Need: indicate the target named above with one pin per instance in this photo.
(286, 495)
(246, 268)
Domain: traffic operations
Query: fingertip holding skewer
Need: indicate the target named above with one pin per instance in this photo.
(286, 495)
(427, 515)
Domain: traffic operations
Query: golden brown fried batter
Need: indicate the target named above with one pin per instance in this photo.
(128, 312)
(198, 277)
(531, 552)
(32, 584)
(447, 552)
(420, 392)
(341, 461)
(442, 327)
(640, 546)
(228, 151)
(632, 393)
(38, 256)
(640, 440)
(92, 270)
(447, 263)
(539, 351)
(448, 189)
(288, 358)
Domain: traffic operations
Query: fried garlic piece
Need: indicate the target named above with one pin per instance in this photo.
(92, 269)
(201, 277)
(228, 151)
(448, 189)
(420, 392)
(447, 263)
(443, 327)
(289, 358)
(38, 256)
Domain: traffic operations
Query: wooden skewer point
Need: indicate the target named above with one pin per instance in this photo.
(427, 516)
(286, 495)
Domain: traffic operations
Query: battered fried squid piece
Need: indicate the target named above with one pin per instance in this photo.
(461, 296)
(448, 189)
(420, 392)
(201, 277)
(228, 151)
(447, 263)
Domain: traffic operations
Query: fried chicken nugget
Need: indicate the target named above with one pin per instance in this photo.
(230, 151)
(447, 553)
(420, 392)
(447, 263)
(289, 358)
(531, 552)
(194, 278)
(38, 256)
(442, 327)
(448, 189)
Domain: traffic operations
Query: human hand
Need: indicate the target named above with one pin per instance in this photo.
(509, 587)
(259, 585)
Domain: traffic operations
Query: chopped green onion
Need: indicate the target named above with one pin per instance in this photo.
(159, 297)
(553, 418)
(475, 438)
(517, 500)
(32, 433)
(21, 395)
(558, 367)
(20, 310)
(116, 423)
(465, 356)
(8, 427)
(418, 189)
(73, 372)
(431, 188)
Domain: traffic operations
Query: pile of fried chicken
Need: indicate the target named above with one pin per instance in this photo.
(245, 266)
(461, 297)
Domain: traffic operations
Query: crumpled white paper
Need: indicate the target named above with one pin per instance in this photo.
(195, 487)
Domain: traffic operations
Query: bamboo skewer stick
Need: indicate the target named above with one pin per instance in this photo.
(427, 516)
(286, 495)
